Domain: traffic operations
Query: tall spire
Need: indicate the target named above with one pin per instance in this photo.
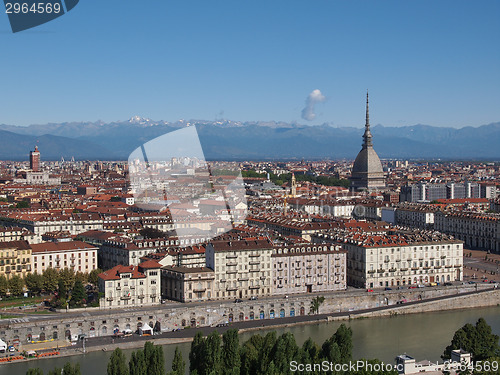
(367, 137)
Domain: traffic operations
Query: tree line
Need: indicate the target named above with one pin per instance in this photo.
(216, 355)
(66, 284)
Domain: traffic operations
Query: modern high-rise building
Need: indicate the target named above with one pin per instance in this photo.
(367, 172)
(35, 160)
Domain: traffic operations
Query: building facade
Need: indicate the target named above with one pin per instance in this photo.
(15, 258)
(308, 268)
(131, 285)
(187, 284)
(242, 267)
(76, 255)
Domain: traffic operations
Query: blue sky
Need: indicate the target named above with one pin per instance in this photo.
(428, 62)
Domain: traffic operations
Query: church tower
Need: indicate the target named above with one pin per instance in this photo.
(35, 160)
(367, 172)
(294, 186)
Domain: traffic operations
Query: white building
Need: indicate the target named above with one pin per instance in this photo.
(77, 255)
(131, 285)
(395, 258)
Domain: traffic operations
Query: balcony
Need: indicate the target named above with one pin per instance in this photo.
(241, 279)
(198, 290)
(254, 263)
(414, 268)
(392, 270)
(109, 298)
(231, 256)
(141, 296)
(437, 267)
(232, 264)
(254, 255)
(380, 271)
(403, 269)
(458, 266)
(254, 287)
(231, 271)
(254, 270)
(118, 288)
(125, 297)
(372, 271)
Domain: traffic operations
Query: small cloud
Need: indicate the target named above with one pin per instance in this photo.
(314, 97)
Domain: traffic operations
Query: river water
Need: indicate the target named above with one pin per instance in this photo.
(423, 336)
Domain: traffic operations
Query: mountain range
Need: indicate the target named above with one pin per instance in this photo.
(234, 140)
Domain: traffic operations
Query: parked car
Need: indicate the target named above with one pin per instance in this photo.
(412, 287)
(433, 284)
(237, 300)
(388, 288)
(448, 284)
(369, 290)
(253, 298)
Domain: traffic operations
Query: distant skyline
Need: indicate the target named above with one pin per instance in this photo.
(423, 62)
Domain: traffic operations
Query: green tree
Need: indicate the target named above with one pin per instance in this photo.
(4, 285)
(137, 363)
(153, 355)
(211, 355)
(22, 204)
(231, 352)
(34, 371)
(62, 291)
(78, 294)
(68, 369)
(67, 276)
(285, 350)
(178, 364)
(316, 303)
(56, 371)
(343, 338)
(477, 340)
(196, 352)
(94, 276)
(82, 277)
(249, 354)
(16, 285)
(116, 364)
(34, 282)
(50, 280)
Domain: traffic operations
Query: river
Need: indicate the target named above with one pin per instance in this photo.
(423, 336)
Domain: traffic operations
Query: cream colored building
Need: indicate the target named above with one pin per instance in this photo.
(477, 230)
(15, 258)
(308, 268)
(399, 258)
(242, 267)
(131, 285)
(187, 284)
(77, 255)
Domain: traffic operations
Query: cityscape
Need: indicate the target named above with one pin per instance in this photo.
(250, 189)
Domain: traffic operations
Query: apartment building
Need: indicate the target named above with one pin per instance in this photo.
(477, 230)
(308, 268)
(77, 255)
(131, 286)
(397, 258)
(15, 258)
(187, 284)
(242, 267)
